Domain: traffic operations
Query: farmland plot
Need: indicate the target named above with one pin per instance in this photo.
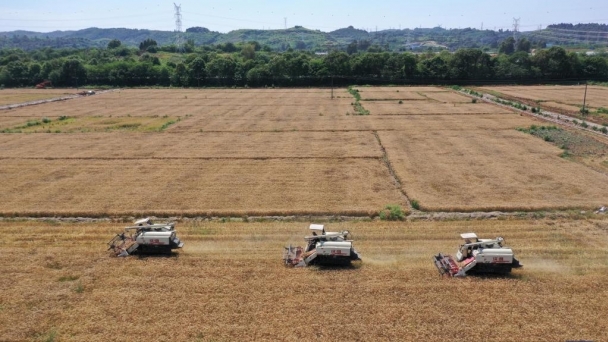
(431, 107)
(573, 95)
(196, 187)
(228, 284)
(483, 170)
(224, 145)
(17, 96)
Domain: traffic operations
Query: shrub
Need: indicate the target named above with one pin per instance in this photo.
(474, 100)
(46, 120)
(63, 117)
(415, 204)
(400, 102)
(392, 212)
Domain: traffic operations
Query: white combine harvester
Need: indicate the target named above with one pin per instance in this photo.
(323, 248)
(146, 237)
(477, 256)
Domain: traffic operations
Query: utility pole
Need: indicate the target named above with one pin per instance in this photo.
(584, 99)
(179, 40)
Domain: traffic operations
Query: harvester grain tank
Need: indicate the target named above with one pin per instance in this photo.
(322, 248)
(145, 237)
(477, 256)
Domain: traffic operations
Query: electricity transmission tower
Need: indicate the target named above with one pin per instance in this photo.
(515, 27)
(179, 38)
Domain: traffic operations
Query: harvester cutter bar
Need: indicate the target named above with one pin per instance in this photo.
(446, 265)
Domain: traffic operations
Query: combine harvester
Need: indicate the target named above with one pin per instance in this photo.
(146, 237)
(477, 256)
(323, 248)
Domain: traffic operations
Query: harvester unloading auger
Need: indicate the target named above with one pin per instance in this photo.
(477, 256)
(145, 237)
(323, 248)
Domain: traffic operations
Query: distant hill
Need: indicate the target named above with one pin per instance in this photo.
(299, 37)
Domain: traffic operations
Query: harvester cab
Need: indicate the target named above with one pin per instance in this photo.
(477, 256)
(145, 237)
(322, 248)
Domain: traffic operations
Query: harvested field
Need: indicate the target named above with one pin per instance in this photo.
(560, 107)
(483, 170)
(196, 187)
(223, 145)
(392, 95)
(125, 103)
(19, 95)
(400, 89)
(93, 124)
(597, 96)
(447, 97)
(237, 151)
(351, 123)
(425, 108)
(228, 284)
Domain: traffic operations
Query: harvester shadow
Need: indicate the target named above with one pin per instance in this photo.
(157, 256)
(513, 276)
(334, 268)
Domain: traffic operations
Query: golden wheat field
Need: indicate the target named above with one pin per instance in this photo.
(464, 172)
(280, 151)
(597, 96)
(227, 283)
(16, 96)
(235, 187)
(292, 152)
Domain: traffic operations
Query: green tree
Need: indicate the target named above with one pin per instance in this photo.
(594, 67)
(248, 52)
(34, 73)
(143, 46)
(17, 74)
(114, 43)
(73, 73)
(180, 76)
(554, 63)
(507, 46)
(523, 45)
(434, 67)
(222, 69)
(352, 48)
(337, 63)
(470, 64)
(258, 76)
(196, 71)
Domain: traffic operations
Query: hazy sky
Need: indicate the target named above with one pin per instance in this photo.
(324, 15)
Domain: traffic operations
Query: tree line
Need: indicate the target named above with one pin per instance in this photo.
(253, 65)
